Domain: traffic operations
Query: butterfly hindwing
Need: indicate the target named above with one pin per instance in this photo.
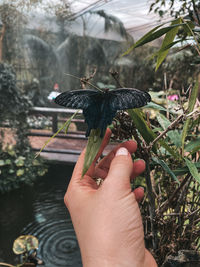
(127, 98)
(77, 99)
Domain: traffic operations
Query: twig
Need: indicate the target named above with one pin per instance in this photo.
(6, 264)
(85, 80)
(195, 11)
(151, 198)
(166, 203)
(170, 127)
(144, 153)
(80, 80)
(115, 75)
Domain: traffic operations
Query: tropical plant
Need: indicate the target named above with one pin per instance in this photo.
(170, 145)
(16, 161)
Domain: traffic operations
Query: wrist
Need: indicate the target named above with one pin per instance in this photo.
(91, 262)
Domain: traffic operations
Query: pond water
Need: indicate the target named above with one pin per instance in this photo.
(40, 211)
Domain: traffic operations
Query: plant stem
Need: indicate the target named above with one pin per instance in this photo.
(151, 198)
(196, 11)
(170, 127)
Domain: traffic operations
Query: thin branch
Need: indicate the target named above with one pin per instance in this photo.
(85, 80)
(115, 75)
(196, 11)
(80, 81)
(166, 203)
(170, 127)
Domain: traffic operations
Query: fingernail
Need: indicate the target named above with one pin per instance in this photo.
(139, 160)
(122, 151)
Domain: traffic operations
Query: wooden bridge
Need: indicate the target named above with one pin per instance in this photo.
(65, 147)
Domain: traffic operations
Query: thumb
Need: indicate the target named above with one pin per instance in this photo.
(120, 170)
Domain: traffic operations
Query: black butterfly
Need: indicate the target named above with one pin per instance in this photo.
(100, 107)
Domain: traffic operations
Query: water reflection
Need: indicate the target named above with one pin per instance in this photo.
(40, 211)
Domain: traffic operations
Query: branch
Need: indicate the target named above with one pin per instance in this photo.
(170, 127)
(196, 11)
(115, 75)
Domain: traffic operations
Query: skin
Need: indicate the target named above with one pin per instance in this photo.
(107, 219)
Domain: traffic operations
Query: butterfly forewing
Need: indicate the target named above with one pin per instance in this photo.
(77, 99)
(127, 98)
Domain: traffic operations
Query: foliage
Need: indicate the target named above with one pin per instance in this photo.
(17, 166)
(17, 169)
(12, 102)
(163, 7)
(169, 142)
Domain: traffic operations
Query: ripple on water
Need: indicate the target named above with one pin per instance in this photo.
(58, 245)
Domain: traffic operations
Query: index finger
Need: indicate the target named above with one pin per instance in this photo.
(104, 164)
(77, 173)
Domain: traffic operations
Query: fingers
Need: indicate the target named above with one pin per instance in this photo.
(77, 173)
(104, 143)
(120, 170)
(103, 166)
(139, 193)
(138, 168)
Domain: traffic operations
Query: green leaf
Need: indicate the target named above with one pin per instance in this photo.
(7, 161)
(191, 105)
(93, 145)
(174, 135)
(19, 161)
(150, 36)
(184, 170)
(20, 172)
(65, 125)
(193, 170)
(163, 49)
(168, 40)
(165, 167)
(173, 153)
(138, 119)
(2, 162)
(188, 27)
(192, 145)
(147, 133)
(155, 106)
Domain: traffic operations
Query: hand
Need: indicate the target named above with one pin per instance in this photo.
(107, 219)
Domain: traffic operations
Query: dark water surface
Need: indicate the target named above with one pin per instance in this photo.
(40, 211)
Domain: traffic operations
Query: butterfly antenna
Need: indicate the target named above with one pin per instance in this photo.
(85, 81)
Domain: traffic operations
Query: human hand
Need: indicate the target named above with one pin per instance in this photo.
(107, 219)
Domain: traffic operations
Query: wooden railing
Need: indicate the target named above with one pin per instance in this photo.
(55, 115)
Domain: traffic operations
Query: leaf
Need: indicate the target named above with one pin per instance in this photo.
(184, 170)
(2, 162)
(191, 105)
(167, 47)
(20, 172)
(168, 40)
(7, 161)
(193, 170)
(188, 27)
(93, 145)
(155, 106)
(137, 117)
(174, 135)
(150, 36)
(19, 161)
(147, 133)
(165, 167)
(66, 124)
(192, 145)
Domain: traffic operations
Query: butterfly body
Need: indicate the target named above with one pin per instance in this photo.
(100, 107)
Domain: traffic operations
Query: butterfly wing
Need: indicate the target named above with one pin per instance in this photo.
(127, 98)
(77, 99)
